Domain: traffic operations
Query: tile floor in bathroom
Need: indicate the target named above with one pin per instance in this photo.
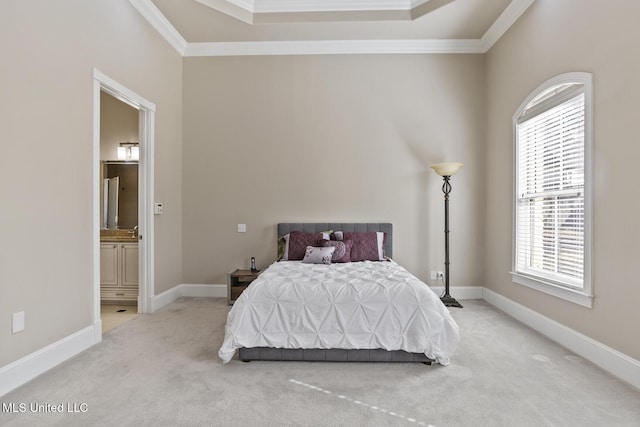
(113, 315)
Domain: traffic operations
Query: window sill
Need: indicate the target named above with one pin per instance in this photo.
(570, 295)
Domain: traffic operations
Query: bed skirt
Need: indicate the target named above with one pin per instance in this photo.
(330, 355)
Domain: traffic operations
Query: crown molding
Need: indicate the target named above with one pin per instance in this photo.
(288, 6)
(331, 47)
(248, 5)
(238, 9)
(269, 11)
(162, 25)
(507, 18)
(275, 6)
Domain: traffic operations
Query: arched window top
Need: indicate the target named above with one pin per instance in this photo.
(553, 92)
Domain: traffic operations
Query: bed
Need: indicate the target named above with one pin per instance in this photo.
(368, 310)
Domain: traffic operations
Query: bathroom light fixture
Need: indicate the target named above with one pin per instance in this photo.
(129, 151)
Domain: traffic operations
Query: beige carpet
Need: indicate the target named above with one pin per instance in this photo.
(163, 370)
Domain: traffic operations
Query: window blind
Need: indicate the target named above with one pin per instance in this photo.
(550, 192)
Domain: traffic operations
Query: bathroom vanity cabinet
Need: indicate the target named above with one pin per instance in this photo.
(118, 271)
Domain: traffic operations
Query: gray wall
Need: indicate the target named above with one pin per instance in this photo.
(49, 50)
(555, 37)
(331, 138)
(118, 123)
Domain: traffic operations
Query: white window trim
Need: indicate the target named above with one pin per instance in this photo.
(584, 296)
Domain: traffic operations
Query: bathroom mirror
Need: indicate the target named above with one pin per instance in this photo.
(119, 195)
(110, 204)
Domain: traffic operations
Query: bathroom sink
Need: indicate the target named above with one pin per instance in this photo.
(118, 235)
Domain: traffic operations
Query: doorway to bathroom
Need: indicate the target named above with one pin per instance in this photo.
(119, 156)
(123, 223)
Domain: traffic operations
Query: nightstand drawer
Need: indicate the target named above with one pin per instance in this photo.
(238, 281)
(236, 291)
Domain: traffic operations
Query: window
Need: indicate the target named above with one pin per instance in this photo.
(552, 215)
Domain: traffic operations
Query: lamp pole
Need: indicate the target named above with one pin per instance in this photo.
(446, 171)
(447, 299)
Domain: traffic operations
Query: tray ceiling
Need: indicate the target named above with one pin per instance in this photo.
(271, 27)
(266, 11)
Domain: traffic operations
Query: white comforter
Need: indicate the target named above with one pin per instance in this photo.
(359, 305)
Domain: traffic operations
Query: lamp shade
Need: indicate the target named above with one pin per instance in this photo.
(446, 169)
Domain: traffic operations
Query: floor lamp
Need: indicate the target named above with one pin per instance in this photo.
(446, 171)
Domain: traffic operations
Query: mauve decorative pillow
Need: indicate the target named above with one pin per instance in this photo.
(283, 244)
(342, 252)
(367, 246)
(298, 242)
(318, 255)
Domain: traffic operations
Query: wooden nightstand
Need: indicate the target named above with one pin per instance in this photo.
(237, 281)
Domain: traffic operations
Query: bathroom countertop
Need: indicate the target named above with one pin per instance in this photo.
(119, 235)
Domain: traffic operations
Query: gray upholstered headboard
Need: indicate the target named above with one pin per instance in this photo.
(317, 227)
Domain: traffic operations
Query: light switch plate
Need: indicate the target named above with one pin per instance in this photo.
(17, 322)
(157, 208)
(242, 228)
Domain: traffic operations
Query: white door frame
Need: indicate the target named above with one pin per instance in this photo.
(145, 193)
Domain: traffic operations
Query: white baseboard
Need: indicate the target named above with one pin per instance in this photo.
(211, 291)
(97, 331)
(618, 364)
(460, 292)
(24, 370)
(167, 297)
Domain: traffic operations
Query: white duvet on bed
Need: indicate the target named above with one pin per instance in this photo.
(358, 305)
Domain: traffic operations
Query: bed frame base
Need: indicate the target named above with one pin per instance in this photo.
(330, 355)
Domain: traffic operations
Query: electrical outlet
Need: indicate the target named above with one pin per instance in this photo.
(434, 275)
(440, 275)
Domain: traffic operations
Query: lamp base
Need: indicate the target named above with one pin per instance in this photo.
(450, 301)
